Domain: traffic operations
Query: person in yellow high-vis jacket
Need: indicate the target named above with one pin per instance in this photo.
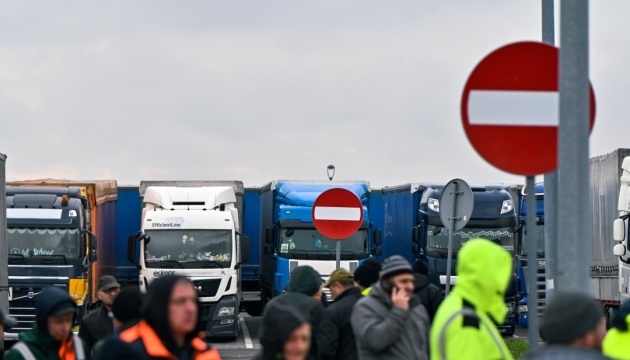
(617, 341)
(463, 326)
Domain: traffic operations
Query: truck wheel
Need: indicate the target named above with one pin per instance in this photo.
(254, 309)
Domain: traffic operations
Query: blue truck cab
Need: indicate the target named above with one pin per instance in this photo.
(291, 240)
(413, 228)
(522, 285)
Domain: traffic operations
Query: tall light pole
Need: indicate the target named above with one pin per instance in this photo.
(331, 172)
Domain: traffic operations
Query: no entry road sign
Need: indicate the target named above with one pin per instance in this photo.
(512, 95)
(337, 213)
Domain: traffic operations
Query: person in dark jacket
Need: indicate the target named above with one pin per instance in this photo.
(430, 295)
(335, 339)
(99, 323)
(126, 309)
(367, 274)
(573, 326)
(304, 294)
(51, 337)
(285, 334)
(170, 325)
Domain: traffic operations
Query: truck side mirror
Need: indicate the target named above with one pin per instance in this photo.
(244, 248)
(619, 250)
(269, 235)
(415, 235)
(619, 230)
(378, 237)
(378, 251)
(132, 255)
(415, 249)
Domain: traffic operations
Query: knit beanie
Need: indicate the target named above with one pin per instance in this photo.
(420, 267)
(395, 265)
(568, 316)
(305, 280)
(127, 304)
(367, 273)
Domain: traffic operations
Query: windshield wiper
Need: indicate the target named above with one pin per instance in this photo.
(164, 262)
(296, 256)
(319, 254)
(207, 263)
(51, 259)
(16, 259)
(353, 255)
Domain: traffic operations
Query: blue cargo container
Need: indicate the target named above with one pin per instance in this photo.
(250, 271)
(413, 229)
(128, 215)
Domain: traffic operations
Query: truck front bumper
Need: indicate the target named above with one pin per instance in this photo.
(220, 319)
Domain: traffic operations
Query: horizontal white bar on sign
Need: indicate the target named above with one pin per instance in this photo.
(337, 213)
(34, 213)
(513, 108)
(443, 280)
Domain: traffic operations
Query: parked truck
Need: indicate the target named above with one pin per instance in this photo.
(193, 229)
(52, 232)
(128, 216)
(413, 228)
(291, 240)
(522, 285)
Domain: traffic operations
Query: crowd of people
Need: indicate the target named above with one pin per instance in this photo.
(388, 311)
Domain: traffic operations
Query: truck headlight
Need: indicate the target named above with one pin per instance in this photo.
(507, 206)
(510, 307)
(434, 204)
(226, 310)
(522, 309)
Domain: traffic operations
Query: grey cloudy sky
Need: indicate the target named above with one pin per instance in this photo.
(262, 90)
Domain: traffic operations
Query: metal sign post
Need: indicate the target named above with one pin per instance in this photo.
(456, 206)
(532, 267)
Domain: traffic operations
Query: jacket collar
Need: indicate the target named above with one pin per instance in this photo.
(153, 344)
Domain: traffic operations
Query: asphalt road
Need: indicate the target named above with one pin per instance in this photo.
(246, 345)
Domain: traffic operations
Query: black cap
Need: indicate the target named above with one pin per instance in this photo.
(63, 308)
(367, 273)
(420, 267)
(568, 316)
(107, 282)
(127, 305)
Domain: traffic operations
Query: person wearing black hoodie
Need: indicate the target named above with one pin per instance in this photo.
(304, 294)
(170, 325)
(430, 295)
(285, 334)
(51, 337)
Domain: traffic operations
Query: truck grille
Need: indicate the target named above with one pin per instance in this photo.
(207, 287)
(22, 306)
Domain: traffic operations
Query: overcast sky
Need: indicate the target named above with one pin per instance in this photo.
(263, 90)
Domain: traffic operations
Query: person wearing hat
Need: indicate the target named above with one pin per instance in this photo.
(464, 325)
(616, 344)
(284, 334)
(391, 322)
(304, 294)
(335, 339)
(100, 323)
(430, 295)
(51, 337)
(573, 326)
(367, 274)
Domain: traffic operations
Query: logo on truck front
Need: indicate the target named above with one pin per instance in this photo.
(163, 273)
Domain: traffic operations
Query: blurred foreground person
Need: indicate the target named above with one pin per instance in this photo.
(464, 325)
(169, 328)
(573, 327)
(51, 337)
(617, 341)
(285, 334)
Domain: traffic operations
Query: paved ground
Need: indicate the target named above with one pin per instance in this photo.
(246, 345)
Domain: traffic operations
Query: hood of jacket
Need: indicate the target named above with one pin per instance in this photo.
(305, 280)
(279, 321)
(155, 310)
(46, 301)
(421, 281)
(483, 275)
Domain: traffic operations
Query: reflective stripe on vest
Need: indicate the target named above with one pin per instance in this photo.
(23, 350)
(465, 312)
(79, 352)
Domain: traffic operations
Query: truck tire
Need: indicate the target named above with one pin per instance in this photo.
(254, 309)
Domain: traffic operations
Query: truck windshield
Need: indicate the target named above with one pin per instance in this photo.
(189, 248)
(42, 242)
(437, 238)
(311, 244)
(540, 241)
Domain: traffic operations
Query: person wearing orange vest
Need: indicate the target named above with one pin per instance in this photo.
(51, 338)
(170, 326)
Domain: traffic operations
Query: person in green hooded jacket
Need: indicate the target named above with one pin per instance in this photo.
(463, 326)
(616, 344)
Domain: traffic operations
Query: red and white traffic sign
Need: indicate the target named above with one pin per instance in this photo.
(510, 98)
(337, 213)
